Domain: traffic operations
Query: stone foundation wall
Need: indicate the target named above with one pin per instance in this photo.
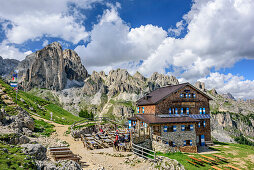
(189, 149)
(180, 136)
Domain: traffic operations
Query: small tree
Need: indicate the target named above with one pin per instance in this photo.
(84, 114)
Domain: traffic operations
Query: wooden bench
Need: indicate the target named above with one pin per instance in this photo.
(58, 148)
(62, 152)
(220, 157)
(196, 160)
(68, 157)
(209, 158)
(217, 168)
(193, 163)
(206, 161)
(232, 167)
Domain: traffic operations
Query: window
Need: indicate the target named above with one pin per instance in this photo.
(199, 124)
(176, 111)
(188, 127)
(172, 144)
(165, 128)
(156, 128)
(181, 95)
(187, 110)
(201, 110)
(138, 109)
(170, 129)
(183, 127)
(204, 123)
(169, 111)
(143, 109)
(181, 111)
(188, 143)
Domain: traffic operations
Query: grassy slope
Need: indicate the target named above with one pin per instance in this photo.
(60, 115)
(14, 159)
(234, 152)
(43, 128)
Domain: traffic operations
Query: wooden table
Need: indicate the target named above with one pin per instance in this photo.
(89, 138)
(206, 161)
(220, 157)
(196, 159)
(58, 148)
(60, 152)
(87, 135)
(212, 159)
(230, 166)
(217, 168)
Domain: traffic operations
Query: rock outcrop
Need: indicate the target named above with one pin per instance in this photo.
(7, 65)
(120, 81)
(36, 150)
(200, 85)
(50, 68)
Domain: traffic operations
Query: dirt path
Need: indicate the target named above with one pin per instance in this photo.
(98, 158)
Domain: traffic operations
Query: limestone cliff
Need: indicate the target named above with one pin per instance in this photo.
(50, 68)
(120, 81)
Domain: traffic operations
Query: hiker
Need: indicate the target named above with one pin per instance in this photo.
(51, 115)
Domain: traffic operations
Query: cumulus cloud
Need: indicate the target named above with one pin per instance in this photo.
(9, 51)
(238, 86)
(112, 41)
(219, 34)
(31, 19)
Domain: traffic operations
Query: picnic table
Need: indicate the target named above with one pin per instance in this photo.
(209, 158)
(206, 161)
(87, 135)
(60, 152)
(232, 167)
(217, 168)
(220, 157)
(196, 159)
(58, 148)
(90, 138)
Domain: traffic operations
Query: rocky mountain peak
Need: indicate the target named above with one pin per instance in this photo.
(119, 75)
(50, 68)
(56, 45)
(7, 65)
(139, 76)
(73, 66)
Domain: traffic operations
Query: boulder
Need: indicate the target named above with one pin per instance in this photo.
(24, 139)
(36, 150)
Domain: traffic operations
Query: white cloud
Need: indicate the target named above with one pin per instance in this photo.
(219, 34)
(113, 42)
(238, 86)
(8, 51)
(31, 19)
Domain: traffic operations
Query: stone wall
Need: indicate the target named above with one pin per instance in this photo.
(180, 136)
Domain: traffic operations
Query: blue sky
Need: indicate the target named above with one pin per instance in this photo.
(210, 41)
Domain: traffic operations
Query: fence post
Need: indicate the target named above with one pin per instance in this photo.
(154, 157)
(142, 152)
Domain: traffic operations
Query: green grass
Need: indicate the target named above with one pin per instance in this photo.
(60, 115)
(86, 125)
(14, 159)
(43, 128)
(234, 152)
